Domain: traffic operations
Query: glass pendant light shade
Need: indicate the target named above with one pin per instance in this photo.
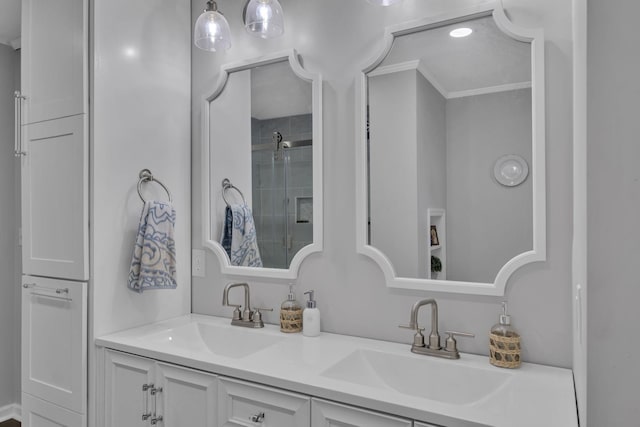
(212, 31)
(383, 2)
(264, 18)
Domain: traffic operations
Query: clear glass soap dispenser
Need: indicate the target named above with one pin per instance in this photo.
(504, 342)
(290, 314)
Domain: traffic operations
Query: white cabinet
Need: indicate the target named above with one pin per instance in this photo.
(331, 414)
(137, 391)
(142, 392)
(55, 223)
(54, 341)
(188, 397)
(39, 413)
(54, 58)
(125, 400)
(245, 404)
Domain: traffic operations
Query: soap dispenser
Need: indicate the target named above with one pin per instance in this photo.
(290, 314)
(311, 317)
(504, 342)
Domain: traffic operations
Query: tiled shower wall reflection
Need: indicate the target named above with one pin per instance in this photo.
(277, 182)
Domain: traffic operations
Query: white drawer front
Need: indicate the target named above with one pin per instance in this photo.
(330, 414)
(240, 402)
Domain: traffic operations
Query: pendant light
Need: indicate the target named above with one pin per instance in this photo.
(264, 18)
(212, 30)
(383, 2)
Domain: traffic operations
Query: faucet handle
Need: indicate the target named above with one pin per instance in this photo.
(236, 311)
(418, 338)
(412, 327)
(257, 317)
(451, 344)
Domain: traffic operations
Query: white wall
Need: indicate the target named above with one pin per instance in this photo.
(613, 192)
(9, 310)
(338, 38)
(487, 223)
(394, 164)
(230, 132)
(140, 118)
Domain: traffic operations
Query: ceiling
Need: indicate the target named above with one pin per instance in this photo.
(487, 58)
(10, 22)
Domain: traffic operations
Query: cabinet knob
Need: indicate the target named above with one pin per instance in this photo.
(258, 418)
(156, 420)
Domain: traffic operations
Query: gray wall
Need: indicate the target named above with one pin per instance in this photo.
(9, 294)
(432, 160)
(487, 223)
(338, 38)
(613, 192)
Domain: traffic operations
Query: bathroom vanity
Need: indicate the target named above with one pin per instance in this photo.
(200, 371)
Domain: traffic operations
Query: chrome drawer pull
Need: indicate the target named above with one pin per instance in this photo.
(258, 418)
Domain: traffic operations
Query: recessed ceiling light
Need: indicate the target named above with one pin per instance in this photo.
(461, 32)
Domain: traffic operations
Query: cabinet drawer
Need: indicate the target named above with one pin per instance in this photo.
(39, 413)
(330, 414)
(242, 404)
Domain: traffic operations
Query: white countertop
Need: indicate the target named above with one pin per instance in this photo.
(533, 395)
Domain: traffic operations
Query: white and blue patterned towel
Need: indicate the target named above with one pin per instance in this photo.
(243, 250)
(154, 255)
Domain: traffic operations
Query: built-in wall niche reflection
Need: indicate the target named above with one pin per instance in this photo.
(264, 136)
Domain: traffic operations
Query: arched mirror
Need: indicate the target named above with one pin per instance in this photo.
(262, 167)
(451, 193)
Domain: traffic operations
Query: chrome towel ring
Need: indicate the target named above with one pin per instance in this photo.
(145, 175)
(227, 185)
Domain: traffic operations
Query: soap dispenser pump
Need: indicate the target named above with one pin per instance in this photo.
(311, 317)
(290, 314)
(504, 342)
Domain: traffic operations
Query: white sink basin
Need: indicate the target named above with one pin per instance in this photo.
(423, 376)
(223, 340)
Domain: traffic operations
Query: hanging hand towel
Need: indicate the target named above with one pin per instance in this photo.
(227, 230)
(244, 243)
(154, 255)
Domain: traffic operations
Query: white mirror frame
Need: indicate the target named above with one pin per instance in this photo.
(316, 246)
(538, 252)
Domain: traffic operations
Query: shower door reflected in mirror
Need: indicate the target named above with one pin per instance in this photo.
(282, 187)
(263, 134)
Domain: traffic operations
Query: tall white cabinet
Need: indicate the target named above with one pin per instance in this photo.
(55, 221)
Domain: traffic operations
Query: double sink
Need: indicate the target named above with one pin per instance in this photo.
(438, 380)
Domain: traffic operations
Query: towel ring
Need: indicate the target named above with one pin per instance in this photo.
(146, 176)
(227, 185)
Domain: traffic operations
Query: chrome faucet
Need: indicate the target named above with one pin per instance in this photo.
(450, 351)
(247, 318)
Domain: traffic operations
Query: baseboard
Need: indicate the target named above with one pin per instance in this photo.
(11, 411)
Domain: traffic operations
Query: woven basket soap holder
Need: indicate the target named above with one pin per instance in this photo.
(504, 343)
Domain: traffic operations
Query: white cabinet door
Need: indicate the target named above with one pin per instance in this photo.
(188, 397)
(330, 414)
(54, 58)
(38, 413)
(127, 383)
(54, 341)
(55, 220)
(242, 404)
